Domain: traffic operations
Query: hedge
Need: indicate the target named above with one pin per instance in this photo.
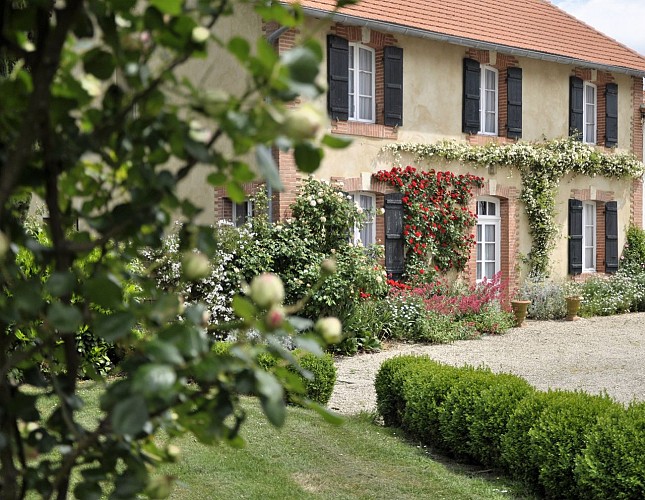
(317, 388)
(564, 444)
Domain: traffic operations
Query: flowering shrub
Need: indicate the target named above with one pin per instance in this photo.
(547, 299)
(437, 220)
(215, 290)
(541, 165)
(442, 311)
(327, 213)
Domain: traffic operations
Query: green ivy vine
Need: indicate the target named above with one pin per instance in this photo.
(541, 165)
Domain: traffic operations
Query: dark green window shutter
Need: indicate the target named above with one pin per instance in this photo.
(338, 77)
(611, 237)
(514, 87)
(470, 115)
(576, 106)
(575, 236)
(393, 83)
(394, 256)
(611, 119)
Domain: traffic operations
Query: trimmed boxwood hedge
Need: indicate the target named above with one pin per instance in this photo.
(564, 444)
(318, 388)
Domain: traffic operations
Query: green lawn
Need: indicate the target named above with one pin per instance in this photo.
(310, 458)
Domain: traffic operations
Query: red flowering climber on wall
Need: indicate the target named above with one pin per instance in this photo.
(437, 220)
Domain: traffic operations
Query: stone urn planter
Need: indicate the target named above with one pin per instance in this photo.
(573, 306)
(519, 308)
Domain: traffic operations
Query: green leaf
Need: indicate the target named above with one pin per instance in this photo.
(268, 168)
(274, 410)
(154, 380)
(189, 340)
(243, 308)
(60, 283)
(63, 317)
(335, 142)
(99, 63)
(308, 157)
(240, 48)
(104, 291)
(163, 352)
(309, 344)
(328, 415)
(114, 326)
(129, 416)
(235, 192)
(302, 64)
(172, 7)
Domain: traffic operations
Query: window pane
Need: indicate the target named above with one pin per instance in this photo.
(591, 94)
(491, 208)
(365, 110)
(351, 81)
(490, 233)
(352, 113)
(366, 202)
(365, 60)
(365, 83)
(589, 264)
(481, 208)
(490, 123)
(490, 251)
(490, 270)
(479, 232)
(479, 251)
(351, 57)
(589, 230)
(490, 80)
(479, 271)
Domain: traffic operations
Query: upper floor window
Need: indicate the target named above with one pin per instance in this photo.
(359, 90)
(589, 113)
(361, 83)
(488, 100)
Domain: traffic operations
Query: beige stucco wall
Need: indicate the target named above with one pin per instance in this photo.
(219, 71)
(432, 103)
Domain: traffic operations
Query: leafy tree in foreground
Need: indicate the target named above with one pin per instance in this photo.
(91, 116)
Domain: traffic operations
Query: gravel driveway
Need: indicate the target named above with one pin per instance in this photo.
(594, 354)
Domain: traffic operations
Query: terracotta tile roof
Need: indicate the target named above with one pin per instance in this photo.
(535, 26)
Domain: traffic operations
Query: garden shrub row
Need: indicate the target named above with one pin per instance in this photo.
(316, 388)
(563, 444)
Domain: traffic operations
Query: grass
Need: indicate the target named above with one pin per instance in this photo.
(311, 459)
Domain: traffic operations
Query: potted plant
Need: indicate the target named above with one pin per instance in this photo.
(573, 306)
(573, 300)
(520, 305)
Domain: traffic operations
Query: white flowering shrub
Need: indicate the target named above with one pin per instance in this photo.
(217, 289)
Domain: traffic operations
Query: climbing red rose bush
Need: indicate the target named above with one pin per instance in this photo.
(437, 220)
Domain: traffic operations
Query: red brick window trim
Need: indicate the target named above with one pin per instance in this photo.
(501, 64)
(600, 81)
(377, 41)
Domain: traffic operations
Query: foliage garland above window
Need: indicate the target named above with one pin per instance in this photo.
(436, 219)
(541, 166)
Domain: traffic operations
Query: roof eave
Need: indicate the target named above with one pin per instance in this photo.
(467, 42)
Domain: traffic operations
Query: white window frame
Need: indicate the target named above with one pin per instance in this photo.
(589, 207)
(487, 220)
(354, 73)
(483, 111)
(249, 211)
(585, 115)
(356, 197)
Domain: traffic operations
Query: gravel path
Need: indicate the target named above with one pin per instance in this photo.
(595, 355)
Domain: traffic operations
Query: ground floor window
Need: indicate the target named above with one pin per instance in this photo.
(242, 212)
(366, 233)
(588, 236)
(488, 233)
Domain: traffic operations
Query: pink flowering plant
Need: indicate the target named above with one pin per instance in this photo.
(437, 220)
(472, 309)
